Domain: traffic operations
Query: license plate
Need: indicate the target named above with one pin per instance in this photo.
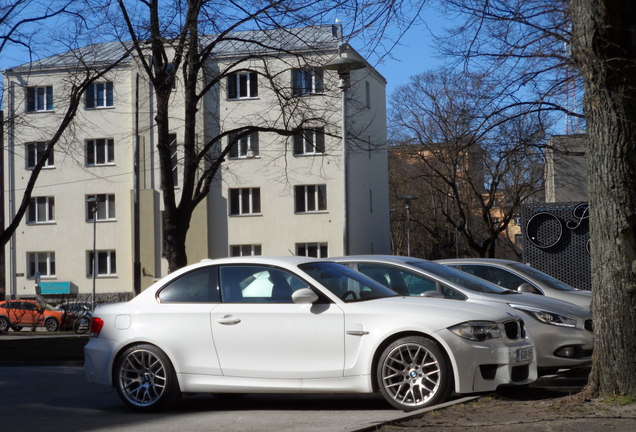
(524, 354)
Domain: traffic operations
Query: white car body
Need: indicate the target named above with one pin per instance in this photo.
(515, 275)
(330, 345)
(559, 345)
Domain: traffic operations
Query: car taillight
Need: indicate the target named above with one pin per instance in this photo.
(96, 326)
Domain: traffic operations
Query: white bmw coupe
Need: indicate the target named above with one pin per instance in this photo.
(298, 325)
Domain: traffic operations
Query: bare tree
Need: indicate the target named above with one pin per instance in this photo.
(472, 168)
(604, 49)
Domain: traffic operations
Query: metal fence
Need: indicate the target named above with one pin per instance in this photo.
(556, 241)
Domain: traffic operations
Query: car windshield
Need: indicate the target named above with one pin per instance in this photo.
(542, 277)
(347, 284)
(461, 278)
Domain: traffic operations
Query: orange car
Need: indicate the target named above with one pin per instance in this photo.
(28, 313)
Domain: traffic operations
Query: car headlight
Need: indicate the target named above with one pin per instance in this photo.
(548, 317)
(477, 330)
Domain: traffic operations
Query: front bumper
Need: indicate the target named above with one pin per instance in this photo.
(560, 347)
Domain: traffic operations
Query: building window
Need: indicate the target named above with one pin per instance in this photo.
(243, 147)
(245, 201)
(105, 207)
(42, 263)
(39, 99)
(100, 152)
(35, 150)
(41, 210)
(311, 198)
(245, 250)
(99, 95)
(309, 142)
(316, 250)
(307, 81)
(106, 264)
(242, 85)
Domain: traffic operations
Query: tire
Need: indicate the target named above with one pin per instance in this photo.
(82, 325)
(16, 327)
(51, 324)
(145, 379)
(4, 324)
(413, 373)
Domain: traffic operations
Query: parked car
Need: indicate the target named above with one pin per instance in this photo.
(17, 314)
(521, 277)
(294, 324)
(561, 331)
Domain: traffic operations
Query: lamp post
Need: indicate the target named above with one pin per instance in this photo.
(407, 205)
(92, 203)
(343, 65)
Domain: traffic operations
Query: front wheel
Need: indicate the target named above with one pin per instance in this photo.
(413, 373)
(145, 379)
(4, 324)
(51, 324)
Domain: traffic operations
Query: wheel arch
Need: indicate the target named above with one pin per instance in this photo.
(389, 340)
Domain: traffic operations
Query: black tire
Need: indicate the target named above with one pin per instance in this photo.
(145, 379)
(4, 324)
(51, 324)
(82, 325)
(16, 327)
(414, 373)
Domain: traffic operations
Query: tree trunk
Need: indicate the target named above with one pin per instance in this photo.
(604, 48)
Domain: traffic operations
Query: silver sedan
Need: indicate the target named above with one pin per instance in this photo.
(561, 331)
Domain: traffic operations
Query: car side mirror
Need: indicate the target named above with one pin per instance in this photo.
(527, 288)
(304, 296)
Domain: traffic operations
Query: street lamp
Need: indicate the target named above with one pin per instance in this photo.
(92, 207)
(343, 65)
(407, 204)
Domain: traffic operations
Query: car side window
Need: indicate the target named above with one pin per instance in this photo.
(197, 286)
(399, 280)
(495, 275)
(258, 284)
(450, 293)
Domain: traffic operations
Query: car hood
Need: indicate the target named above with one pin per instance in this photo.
(545, 303)
(445, 312)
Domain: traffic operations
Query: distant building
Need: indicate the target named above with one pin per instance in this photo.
(566, 169)
(274, 195)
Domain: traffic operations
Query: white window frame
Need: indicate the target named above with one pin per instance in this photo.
(108, 151)
(110, 257)
(309, 142)
(310, 197)
(41, 210)
(246, 250)
(105, 205)
(102, 95)
(322, 249)
(308, 81)
(241, 82)
(48, 268)
(33, 154)
(246, 205)
(245, 147)
(42, 99)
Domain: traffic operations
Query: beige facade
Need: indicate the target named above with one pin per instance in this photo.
(95, 159)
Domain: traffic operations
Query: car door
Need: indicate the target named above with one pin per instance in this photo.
(260, 333)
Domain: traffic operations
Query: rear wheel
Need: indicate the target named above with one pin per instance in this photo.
(16, 327)
(145, 379)
(81, 325)
(413, 373)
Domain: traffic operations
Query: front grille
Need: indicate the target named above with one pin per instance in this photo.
(514, 329)
(589, 326)
(520, 373)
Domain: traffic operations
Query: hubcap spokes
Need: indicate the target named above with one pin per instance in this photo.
(411, 374)
(142, 378)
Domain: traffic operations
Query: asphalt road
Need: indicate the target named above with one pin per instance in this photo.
(58, 398)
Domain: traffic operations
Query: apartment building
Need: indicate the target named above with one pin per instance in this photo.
(309, 192)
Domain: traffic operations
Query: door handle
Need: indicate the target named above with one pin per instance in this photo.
(228, 320)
